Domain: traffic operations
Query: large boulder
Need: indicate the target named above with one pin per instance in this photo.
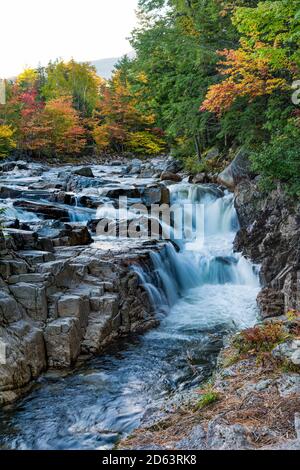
(169, 176)
(46, 210)
(8, 192)
(84, 171)
(239, 169)
(23, 361)
(33, 298)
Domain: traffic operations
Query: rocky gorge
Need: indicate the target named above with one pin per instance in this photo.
(68, 294)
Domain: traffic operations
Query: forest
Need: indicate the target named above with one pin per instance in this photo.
(208, 77)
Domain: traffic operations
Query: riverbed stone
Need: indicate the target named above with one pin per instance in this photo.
(9, 309)
(32, 298)
(169, 176)
(74, 305)
(63, 338)
(84, 171)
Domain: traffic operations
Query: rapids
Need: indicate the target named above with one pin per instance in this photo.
(201, 293)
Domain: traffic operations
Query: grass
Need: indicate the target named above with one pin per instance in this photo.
(209, 396)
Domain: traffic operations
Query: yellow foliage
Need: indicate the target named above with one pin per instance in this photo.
(145, 143)
(27, 78)
(7, 142)
(101, 137)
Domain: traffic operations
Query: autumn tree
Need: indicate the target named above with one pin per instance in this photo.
(7, 142)
(73, 79)
(123, 124)
(65, 133)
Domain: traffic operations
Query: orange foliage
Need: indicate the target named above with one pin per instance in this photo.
(248, 74)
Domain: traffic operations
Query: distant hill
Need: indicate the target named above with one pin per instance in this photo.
(105, 67)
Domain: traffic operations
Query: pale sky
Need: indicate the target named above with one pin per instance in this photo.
(36, 31)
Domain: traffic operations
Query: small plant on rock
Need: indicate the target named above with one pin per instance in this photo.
(209, 396)
(260, 338)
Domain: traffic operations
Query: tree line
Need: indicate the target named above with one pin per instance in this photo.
(208, 76)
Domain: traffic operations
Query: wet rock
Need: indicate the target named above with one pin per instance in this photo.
(36, 256)
(200, 178)
(25, 359)
(165, 195)
(269, 235)
(21, 239)
(168, 176)
(44, 210)
(131, 192)
(173, 166)
(72, 235)
(78, 183)
(7, 192)
(84, 171)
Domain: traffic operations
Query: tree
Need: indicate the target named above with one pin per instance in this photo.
(78, 80)
(123, 124)
(65, 134)
(7, 142)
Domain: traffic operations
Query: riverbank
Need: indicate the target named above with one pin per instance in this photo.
(66, 293)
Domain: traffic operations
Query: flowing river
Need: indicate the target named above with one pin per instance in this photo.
(201, 293)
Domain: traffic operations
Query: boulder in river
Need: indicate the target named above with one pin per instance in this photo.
(9, 192)
(46, 210)
(169, 176)
(84, 171)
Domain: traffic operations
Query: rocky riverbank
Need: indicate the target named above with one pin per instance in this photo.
(64, 292)
(58, 305)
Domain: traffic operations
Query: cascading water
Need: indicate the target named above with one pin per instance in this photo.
(202, 292)
(207, 260)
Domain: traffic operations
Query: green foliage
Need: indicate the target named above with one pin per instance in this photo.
(193, 165)
(75, 79)
(279, 160)
(209, 397)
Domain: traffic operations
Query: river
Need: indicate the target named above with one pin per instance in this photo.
(201, 293)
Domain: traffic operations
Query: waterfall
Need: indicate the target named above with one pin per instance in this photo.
(209, 263)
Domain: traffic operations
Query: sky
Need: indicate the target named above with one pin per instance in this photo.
(36, 31)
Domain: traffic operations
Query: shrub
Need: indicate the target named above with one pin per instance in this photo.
(193, 165)
(261, 338)
(145, 143)
(7, 143)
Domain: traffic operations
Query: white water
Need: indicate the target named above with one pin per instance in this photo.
(205, 282)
